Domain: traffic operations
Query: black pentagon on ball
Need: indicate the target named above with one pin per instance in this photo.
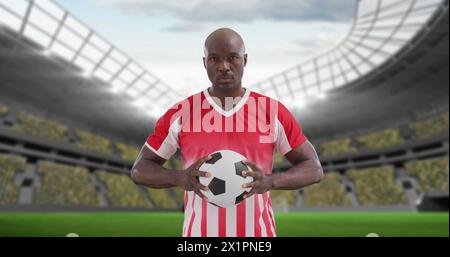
(217, 186)
(239, 167)
(240, 198)
(215, 158)
(215, 204)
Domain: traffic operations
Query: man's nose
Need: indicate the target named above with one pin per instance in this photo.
(224, 66)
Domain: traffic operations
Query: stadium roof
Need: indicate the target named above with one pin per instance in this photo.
(381, 29)
(396, 53)
(60, 33)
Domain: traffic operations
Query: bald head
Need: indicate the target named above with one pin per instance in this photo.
(224, 36)
(225, 59)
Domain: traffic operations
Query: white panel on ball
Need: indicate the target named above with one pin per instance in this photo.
(225, 183)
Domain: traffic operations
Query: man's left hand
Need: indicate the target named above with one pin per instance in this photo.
(261, 182)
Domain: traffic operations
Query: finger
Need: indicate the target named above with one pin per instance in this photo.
(201, 161)
(197, 185)
(198, 173)
(253, 174)
(199, 193)
(249, 194)
(249, 185)
(252, 165)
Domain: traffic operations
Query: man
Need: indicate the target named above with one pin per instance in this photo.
(189, 128)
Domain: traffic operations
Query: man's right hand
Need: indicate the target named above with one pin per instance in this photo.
(188, 179)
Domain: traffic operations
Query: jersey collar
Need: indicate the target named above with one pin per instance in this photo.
(231, 111)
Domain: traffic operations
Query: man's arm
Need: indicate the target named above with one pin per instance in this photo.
(306, 170)
(148, 171)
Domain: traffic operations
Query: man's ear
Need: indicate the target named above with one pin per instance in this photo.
(204, 62)
(245, 59)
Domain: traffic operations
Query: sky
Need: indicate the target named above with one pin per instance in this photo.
(167, 36)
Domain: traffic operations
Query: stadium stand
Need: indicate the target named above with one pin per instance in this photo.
(127, 152)
(432, 174)
(121, 191)
(431, 127)
(178, 164)
(175, 194)
(91, 142)
(161, 198)
(178, 196)
(283, 198)
(380, 139)
(54, 131)
(65, 185)
(9, 165)
(329, 192)
(338, 146)
(167, 165)
(3, 111)
(376, 186)
(41, 128)
(47, 129)
(278, 159)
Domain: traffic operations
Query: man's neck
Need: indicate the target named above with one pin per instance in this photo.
(222, 94)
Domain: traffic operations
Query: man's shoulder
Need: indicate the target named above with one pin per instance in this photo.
(269, 101)
(189, 99)
(282, 110)
(260, 95)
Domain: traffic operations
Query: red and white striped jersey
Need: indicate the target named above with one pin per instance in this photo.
(254, 127)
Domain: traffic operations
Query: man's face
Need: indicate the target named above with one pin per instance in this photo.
(224, 61)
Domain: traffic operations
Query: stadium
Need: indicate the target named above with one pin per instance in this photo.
(72, 124)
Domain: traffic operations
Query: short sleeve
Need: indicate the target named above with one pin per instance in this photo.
(163, 141)
(289, 133)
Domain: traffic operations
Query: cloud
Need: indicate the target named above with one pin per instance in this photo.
(185, 26)
(242, 11)
(318, 41)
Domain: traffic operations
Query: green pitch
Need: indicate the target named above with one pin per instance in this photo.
(170, 224)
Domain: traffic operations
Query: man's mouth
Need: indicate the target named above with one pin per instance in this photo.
(225, 78)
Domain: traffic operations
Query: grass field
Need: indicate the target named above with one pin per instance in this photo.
(169, 224)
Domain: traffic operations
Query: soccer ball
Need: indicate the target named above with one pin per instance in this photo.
(225, 182)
